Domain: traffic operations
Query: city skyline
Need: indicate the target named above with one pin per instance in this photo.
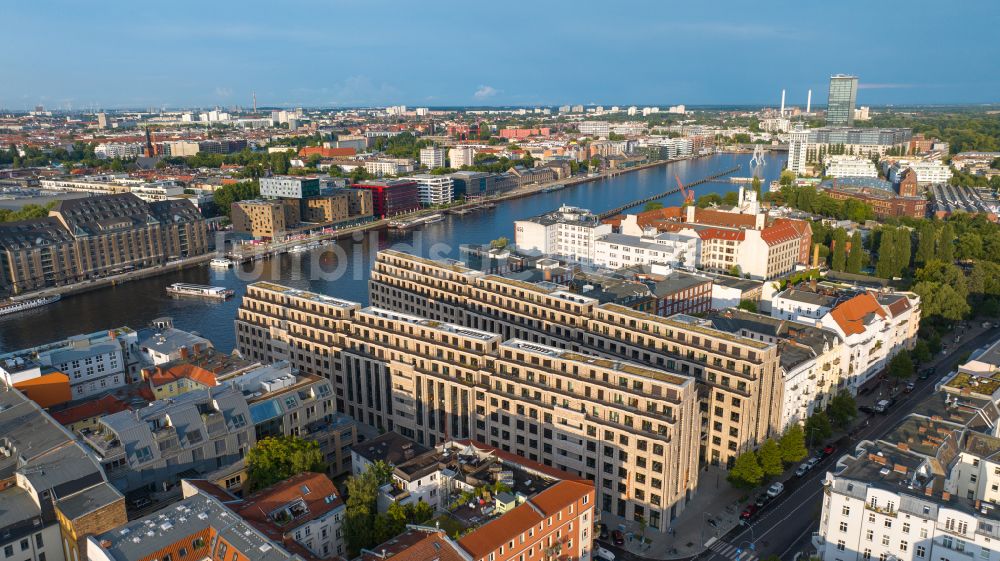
(316, 55)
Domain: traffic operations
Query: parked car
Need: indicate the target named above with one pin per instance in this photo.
(866, 409)
(603, 554)
(602, 531)
(926, 373)
(828, 450)
(813, 461)
(775, 489)
(748, 512)
(617, 537)
(802, 469)
(762, 501)
(882, 407)
(910, 386)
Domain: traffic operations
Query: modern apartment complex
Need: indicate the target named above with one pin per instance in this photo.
(630, 428)
(92, 237)
(392, 196)
(850, 166)
(434, 190)
(432, 157)
(807, 146)
(740, 393)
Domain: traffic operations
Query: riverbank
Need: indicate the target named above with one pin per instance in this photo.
(254, 252)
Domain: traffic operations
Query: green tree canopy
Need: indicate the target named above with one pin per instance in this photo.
(746, 472)
(793, 444)
(818, 428)
(857, 257)
(275, 459)
(770, 458)
(839, 250)
(901, 366)
(843, 409)
(921, 352)
(652, 205)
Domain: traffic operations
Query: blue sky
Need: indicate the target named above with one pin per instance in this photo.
(378, 52)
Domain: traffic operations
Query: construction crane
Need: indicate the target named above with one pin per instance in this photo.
(688, 193)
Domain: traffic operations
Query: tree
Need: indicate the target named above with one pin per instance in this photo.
(885, 267)
(903, 252)
(363, 526)
(921, 352)
(748, 305)
(926, 239)
(901, 366)
(755, 184)
(746, 472)
(839, 249)
(970, 246)
(653, 205)
(945, 244)
(818, 427)
(770, 458)
(500, 242)
(793, 444)
(856, 258)
(275, 459)
(843, 409)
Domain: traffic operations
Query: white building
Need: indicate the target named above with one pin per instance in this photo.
(850, 166)
(570, 233)
(798, 146)
(927, 491)
(389, 166)
(929, 172)
(434, 189)
(94, 363)
(432, 157)
(802, 305)
(615, 251)
(594, 128)
(461, 156)
(157, 191)
(121, 150)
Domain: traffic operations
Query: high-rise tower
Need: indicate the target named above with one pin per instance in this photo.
(843, 95)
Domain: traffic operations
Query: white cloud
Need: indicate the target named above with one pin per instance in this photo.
(485, 92)
(223, 92)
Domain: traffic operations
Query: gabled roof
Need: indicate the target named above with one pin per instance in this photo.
(315, 490)
(854, 315)
(106, 405)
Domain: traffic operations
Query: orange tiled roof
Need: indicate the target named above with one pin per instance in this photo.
(501, 530)
(159, 376)
(721, 234)
(850, 315)
(721, 218)
(416, 545)
(326, 152)
(96, 407)
(779, 233)
(312, 488)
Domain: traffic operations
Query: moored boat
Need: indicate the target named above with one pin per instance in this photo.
(23, 305)
(199, 290)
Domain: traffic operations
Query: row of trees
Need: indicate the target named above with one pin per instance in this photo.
(229, 194)
(847, 257)
(364, 526)
(807, 198)
(751, 469)
(27, 212)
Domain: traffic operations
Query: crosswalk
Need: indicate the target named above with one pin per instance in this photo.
(730, 551)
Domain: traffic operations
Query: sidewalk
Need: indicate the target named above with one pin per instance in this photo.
(716, 502)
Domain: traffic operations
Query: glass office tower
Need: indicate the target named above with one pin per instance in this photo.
(843, 95)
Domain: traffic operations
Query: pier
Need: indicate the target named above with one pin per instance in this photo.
(651, 198)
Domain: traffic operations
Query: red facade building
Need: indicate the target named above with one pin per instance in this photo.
(391, 197)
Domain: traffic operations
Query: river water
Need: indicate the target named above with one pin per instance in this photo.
(342, 270)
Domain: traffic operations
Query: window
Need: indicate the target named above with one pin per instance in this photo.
(846, 511)
(841, 546)
(843, 526)
(903, 545)
(919, 551)
(869, 535)
(867, 554)
(906, 527)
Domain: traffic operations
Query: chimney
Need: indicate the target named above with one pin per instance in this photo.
(945, 496)
(185, 353)
(112, 334)
(929, 491)
(547, 274)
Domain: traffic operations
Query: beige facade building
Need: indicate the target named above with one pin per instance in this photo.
(631, 428)
(97, 236)
(265, 219)
(325, 209)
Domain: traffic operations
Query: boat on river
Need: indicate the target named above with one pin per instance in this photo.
(16, 306)
(199, 291)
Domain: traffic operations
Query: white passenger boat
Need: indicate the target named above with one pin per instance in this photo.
(220, 263)
(199, 290)
(22, 305)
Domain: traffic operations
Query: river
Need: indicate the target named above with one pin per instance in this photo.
(343, 270)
